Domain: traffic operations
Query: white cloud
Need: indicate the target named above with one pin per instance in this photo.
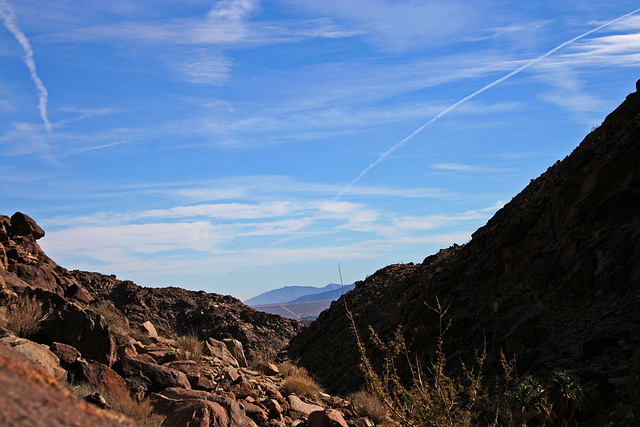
(7, 15)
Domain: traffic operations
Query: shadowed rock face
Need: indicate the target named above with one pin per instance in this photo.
(552, 278)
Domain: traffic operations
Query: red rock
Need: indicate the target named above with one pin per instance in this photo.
(295, 404)
(235, 413)
(215, 348)
(189, 368)
(99, 375)
(24, 225)
(66, 353)
(190, 413)
(237, 351)
(37, 354)
(326, 418)
(160, 376)
(268, 369)
(31, 397)
(255, 412)
(244, 389)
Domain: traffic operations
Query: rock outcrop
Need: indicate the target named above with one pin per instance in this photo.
(552, 279)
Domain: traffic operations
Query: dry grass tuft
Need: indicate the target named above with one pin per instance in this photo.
(118, 323)
(121, 402)
(189, 348)
(23, 316)
(368, 405)
(298, 381)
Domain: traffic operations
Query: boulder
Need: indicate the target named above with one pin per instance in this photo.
(99, 375)
(148, 330)
(326, 418)
(173, 396)
(161, 353)
(244, 389)
(215, 348)
(160, 377)
(23, 225)
(189, 368)
(268, 368)
(190, 413)
(36, 354)
(66, 353)
(301, 407)
(237, 350)
(85, 330)
(31, 397)
(255, 412)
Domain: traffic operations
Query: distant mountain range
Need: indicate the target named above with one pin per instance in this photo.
(297, 294)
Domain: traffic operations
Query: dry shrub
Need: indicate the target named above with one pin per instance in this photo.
(121, 402)
(141, 412)
(298, 381)
(23, 316)
(368, 405)
(118, 323)
(189, 348)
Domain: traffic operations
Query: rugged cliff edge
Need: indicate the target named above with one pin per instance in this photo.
(553, 278)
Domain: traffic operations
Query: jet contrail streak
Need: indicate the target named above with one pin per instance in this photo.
(9, 19)
(386, 154)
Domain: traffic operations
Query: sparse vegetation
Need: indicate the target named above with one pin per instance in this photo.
(122, 402)
(435, 398)
(298, 381)
(118, 323)
(23, 316)
(189, 347)
(368, 405)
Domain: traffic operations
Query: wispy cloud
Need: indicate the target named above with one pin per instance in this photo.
(459, 167)
(11, 23)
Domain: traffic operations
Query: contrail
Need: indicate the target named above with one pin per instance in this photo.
(473, 95)
(9, 19)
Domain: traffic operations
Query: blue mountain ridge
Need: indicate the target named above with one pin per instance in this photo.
(289, 293)
(329, 295)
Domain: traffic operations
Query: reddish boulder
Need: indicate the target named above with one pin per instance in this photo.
(66, 353)
(160, 377)
(326, 418)
(23, 225)
(100, 376)
(85, 330)
(175, 397)
(189, 368)
(36, 354)
(237, 351)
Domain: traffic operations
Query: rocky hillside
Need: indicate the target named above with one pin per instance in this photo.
(552, 279)
(174, 311)
(82, 349)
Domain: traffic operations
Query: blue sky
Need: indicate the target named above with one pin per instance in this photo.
(217, 145)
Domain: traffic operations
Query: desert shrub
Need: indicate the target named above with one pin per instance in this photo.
(121, 402)
(431, 398)
(301, 386)
(118, 323)
(140, 412)
(23, 316)
(298, 381)
(368, 405)
(190, 348)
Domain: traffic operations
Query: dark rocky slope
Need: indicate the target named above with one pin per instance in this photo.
(553, 278)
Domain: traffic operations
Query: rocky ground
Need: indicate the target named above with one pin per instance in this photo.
(97, 335)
